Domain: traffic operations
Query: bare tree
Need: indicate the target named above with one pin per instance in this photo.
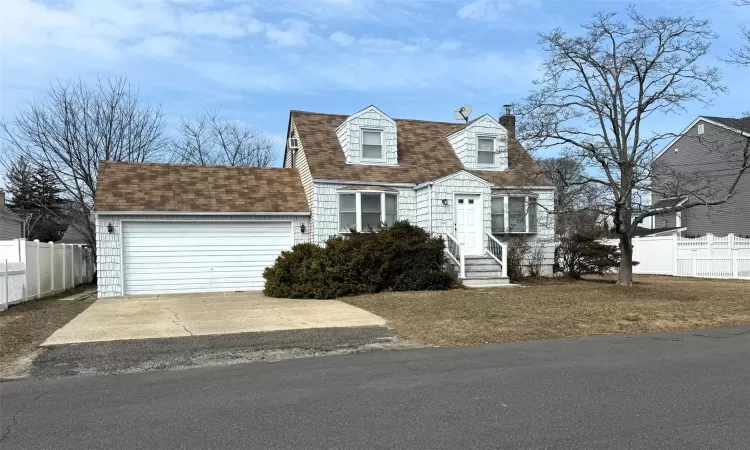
(598, 96)
(741, 56)
(573, 195)
(214, 141)
(77, 126)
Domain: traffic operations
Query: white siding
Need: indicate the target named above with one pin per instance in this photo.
(326, 206)
(423, 207)
(10, 229)
(464, 143)
(464, 183)
(349, 134)
(109, 253)
(305, 176)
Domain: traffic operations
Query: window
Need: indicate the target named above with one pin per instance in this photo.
(372, 144)
(701, 128)
(498, 214)
(514, 214)
(363, 211)
(347, 212)
(486, 151)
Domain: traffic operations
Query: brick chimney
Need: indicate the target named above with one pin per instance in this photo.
(508, 120)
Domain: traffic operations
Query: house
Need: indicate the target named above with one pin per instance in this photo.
(73, 236)
(174, 228)
(11, 224)
(702, 162)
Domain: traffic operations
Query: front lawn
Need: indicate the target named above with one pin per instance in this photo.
(570, 309)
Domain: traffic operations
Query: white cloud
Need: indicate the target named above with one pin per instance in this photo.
(290, 33)
(342, 38)
(491, 10)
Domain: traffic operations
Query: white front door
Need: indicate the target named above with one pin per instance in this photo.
(469, 223)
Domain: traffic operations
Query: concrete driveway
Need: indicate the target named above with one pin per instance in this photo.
(166, 316)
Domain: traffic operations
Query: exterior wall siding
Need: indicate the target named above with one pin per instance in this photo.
(326, 204)
(716, 153)
(10, 229)
(350, 132)
(464, 143)
(423, 207)
(109, 253)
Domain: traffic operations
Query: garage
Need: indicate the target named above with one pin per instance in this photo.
(183, 229)
(188, 256)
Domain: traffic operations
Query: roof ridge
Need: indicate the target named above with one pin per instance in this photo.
(156, 163)
(392, 118)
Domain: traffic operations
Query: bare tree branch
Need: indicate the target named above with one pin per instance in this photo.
(215, 141)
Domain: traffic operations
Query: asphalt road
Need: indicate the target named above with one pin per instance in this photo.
(671, 390)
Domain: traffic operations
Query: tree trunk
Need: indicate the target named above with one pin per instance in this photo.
(625, 277)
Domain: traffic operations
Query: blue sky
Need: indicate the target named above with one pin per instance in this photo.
(256, 60)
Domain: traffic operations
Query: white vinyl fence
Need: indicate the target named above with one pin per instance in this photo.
(708, 256)
(33, 269)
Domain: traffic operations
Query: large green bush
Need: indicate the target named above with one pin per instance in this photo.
(401, 257)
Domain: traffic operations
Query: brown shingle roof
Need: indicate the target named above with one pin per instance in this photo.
(126, 186)
(424, 154)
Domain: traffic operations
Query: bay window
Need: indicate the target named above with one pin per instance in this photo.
(363, 211)
(514, 214)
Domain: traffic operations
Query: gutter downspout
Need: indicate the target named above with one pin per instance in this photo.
(430, 187)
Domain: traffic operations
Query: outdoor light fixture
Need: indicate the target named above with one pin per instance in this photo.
(445, 202)
(302, 228)
(110, 228)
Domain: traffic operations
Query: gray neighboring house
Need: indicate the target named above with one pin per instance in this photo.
(11, 224)
(706, 154)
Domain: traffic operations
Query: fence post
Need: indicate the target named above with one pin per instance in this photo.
(22, 258)
(735, 269)
(693, 270)
(38, 271)
(675, 272)
(710, 241)
(730, 239)
(52, 267)
(6, 295)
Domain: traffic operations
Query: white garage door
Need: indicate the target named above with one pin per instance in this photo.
(178, 257)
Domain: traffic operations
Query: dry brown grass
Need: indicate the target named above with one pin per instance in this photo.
(26, 325)
(570, 309)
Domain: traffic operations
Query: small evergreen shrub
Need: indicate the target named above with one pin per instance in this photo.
(402, 257)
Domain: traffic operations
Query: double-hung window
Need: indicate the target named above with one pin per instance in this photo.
(486, 150)
(514, 214)
(372, 144)
(363, 211)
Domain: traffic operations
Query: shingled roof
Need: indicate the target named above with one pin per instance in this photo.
(742, 124)
(424, 154)
(125, 186)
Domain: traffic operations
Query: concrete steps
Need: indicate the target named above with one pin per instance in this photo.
(483, 271)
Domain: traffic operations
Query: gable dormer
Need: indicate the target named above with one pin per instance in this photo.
(369, 137)
(481, 144)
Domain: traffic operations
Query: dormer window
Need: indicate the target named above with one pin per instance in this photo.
(486, 150)
(372, 145)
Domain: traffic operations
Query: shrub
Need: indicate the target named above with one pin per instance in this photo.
(518, 248)
(582, 254)
(400, 257)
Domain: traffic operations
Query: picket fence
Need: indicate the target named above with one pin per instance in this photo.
(707, 256)
(33, 269)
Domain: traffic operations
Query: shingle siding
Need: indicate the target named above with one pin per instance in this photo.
(109, 254)
(465, 142)
(716, 154)
(350, 136)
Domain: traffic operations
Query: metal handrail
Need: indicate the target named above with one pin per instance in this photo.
(498, 251)
(453, 248)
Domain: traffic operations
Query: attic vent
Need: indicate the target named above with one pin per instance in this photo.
(293, 143)
(701, 128)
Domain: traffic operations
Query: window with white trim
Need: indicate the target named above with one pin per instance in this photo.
(701, 128)
(514, 214)
(372, 144)
(363, 211)
(486, 150)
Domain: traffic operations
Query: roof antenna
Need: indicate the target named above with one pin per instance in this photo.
(463, 113)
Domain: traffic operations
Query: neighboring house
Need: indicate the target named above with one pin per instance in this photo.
(171, 228)
(704, 158)
(11, 224)
(72, 236)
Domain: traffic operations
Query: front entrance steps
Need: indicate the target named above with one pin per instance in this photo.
(483, 272)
